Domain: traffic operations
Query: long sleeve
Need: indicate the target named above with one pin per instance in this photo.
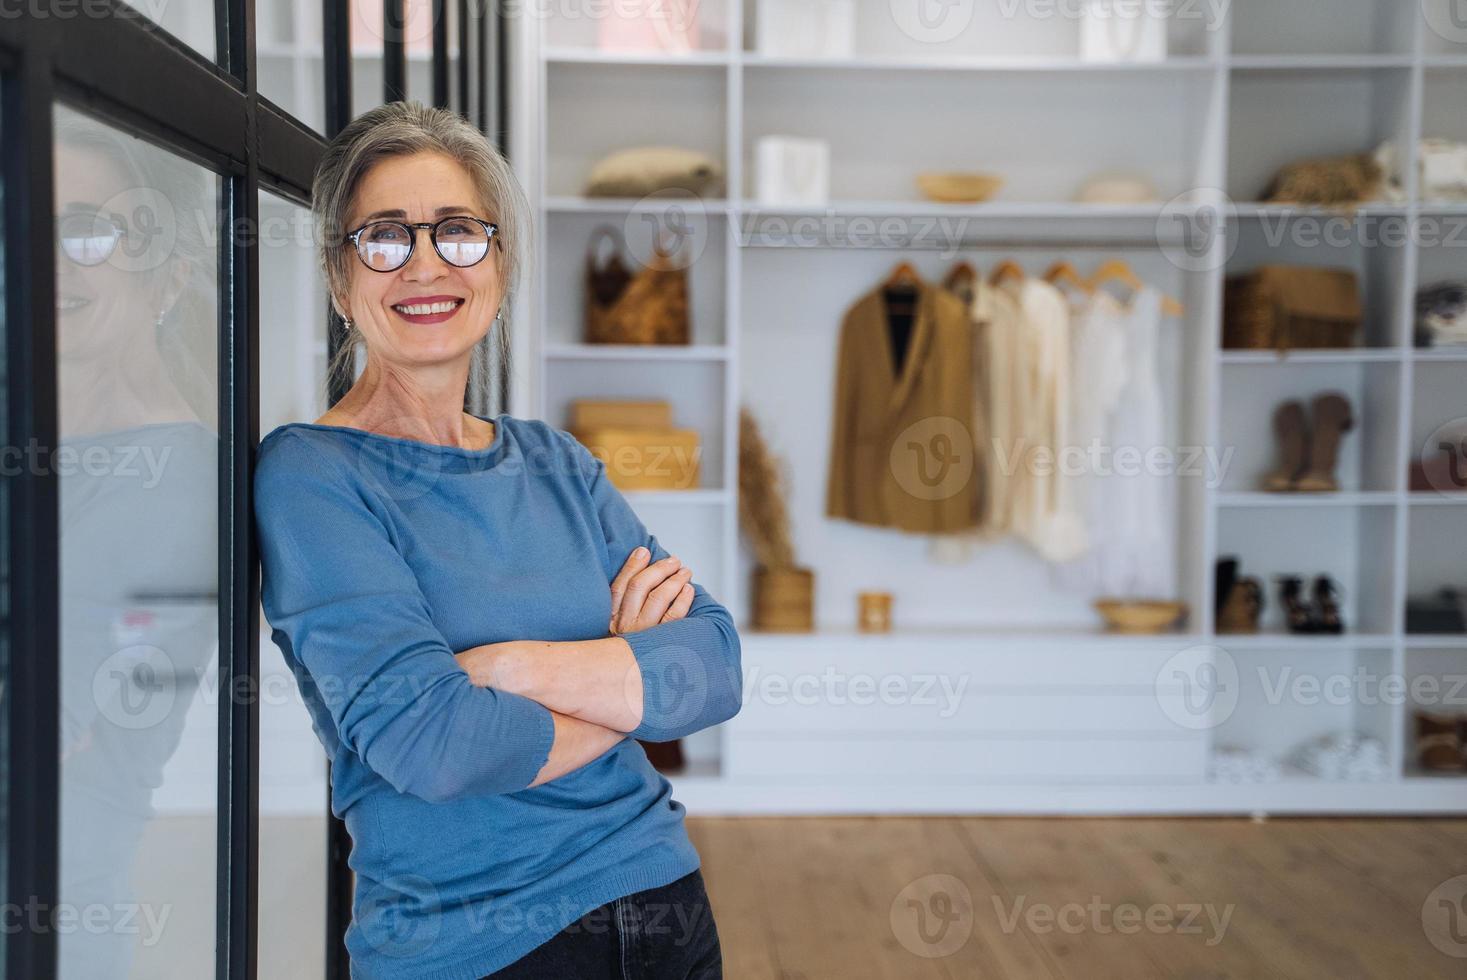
(342, 600)
(692, 669)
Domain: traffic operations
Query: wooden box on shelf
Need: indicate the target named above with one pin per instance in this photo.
(644, 458)
(621, 413)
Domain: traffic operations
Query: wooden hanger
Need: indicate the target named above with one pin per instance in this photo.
(1064, 272)
(1118, 270)
(1007, 269)
(962, 268)
(902, 276)
(900, 289)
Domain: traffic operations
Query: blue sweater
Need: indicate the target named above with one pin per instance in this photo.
(383, 557)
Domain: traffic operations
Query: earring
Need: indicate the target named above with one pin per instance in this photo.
(346, 322)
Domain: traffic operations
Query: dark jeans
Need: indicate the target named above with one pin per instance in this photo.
(664, 933)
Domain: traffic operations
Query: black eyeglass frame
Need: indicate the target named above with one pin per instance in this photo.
(490, 228)
(119, 228)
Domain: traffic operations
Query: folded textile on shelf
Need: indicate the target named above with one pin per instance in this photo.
(1344, 757)
(1231, 764)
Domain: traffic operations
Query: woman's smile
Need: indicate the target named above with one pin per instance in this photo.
(427, 310)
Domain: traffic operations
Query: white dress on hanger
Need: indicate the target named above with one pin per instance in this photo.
(1131, 502)
(1099, 373)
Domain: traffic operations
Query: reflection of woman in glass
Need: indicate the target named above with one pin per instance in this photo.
(136, 468)
(480, 625)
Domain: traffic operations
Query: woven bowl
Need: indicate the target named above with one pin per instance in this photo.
(1140, 615)
(958, 188)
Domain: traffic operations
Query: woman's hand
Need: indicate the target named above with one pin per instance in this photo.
(644, 594)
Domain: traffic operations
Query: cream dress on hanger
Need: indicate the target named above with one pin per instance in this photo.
(1044, 502)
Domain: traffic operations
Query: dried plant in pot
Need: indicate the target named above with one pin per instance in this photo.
(784, 592)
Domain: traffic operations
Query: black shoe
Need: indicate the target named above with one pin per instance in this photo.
(1327, 606)
(1297, 613)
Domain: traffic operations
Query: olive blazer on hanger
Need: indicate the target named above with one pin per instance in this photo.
(901, 448)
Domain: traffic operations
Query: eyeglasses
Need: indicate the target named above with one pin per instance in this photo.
(385, 246)
(89, 237)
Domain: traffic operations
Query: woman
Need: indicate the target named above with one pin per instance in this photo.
(480, 625)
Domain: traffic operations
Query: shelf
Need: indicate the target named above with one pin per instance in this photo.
(596, 56)
(567, 204)
(960, 224)
(1436, 641)
(978, 64)
(1247, 498)
(1272, 209)
(989, 209)
(1357, 355)
(1416, 774)
(1439, 355)
(637, 352)
(1319, 62)
(1421, 498)
(1274, 640)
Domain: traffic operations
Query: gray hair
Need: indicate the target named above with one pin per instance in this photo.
(400, 129)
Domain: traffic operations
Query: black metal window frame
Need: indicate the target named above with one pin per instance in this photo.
(105, 59)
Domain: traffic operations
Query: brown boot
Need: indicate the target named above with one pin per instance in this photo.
(1332, 419)
(1289, 428)
(1242, 607)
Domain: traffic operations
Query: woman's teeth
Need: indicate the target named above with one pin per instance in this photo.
(70, 302)
(424, 309)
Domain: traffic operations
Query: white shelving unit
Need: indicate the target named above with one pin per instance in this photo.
(1054, 714)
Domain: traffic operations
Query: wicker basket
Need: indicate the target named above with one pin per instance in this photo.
(648, 306)
(784, 600)
(1282, 307)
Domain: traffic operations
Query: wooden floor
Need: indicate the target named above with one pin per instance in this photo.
(884, 897)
